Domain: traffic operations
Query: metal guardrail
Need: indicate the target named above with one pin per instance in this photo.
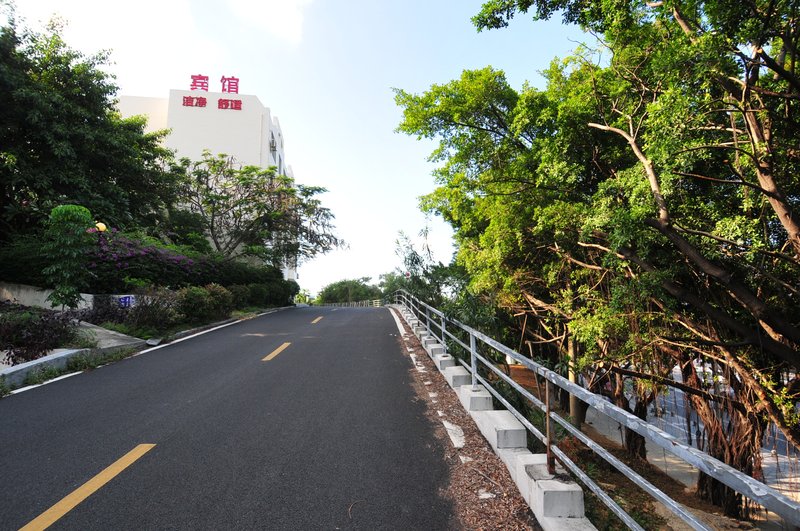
(445, 329)
(375, 303)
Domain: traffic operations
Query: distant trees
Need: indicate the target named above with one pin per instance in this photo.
(640, 215)
(349, 291)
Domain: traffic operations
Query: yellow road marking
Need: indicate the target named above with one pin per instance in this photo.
(51, 515)
(315, 321)
(276, 351)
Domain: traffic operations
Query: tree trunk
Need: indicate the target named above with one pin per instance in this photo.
(577, 408)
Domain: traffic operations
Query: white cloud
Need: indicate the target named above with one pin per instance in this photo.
(282, 18)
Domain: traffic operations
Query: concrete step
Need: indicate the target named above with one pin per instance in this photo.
(429, 341)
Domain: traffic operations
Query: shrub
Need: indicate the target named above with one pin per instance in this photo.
(28, 333)
(67, 246)
(105, 309)
(194, 303)
(220, 302)
(118, 257)
(155, 309)
(258, 294)
(241, 296)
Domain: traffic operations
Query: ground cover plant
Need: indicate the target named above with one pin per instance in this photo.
(28, 333)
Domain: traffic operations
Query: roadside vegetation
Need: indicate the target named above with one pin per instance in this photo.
(636, 214)
(90, 203)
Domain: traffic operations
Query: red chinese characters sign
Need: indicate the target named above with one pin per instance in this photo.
(199, 82)
(235, 105)
(230, 85)
(190, 101)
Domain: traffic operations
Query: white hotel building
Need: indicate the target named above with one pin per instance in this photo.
(238, 125)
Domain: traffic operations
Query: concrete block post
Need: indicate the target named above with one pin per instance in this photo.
(443, 361)
(457, 376)
(475, 399)
(501, 429)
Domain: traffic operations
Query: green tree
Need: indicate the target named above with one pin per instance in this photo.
(251, 211)
(354, 290)
(61, 140)
(640, 213)
(68, 244)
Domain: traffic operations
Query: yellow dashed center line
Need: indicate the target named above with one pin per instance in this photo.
(315, 321)
(276, 351)
(51, 515)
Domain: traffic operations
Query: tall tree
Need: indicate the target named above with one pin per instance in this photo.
(642, 213)
(61, 140)
(251, 211)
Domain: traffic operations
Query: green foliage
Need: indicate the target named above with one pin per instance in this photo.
(155, 311)
(41, 374)
(258, 294)
(63, 141)
(194, 304)
(220, 301)
(240, 296)
(349, 291)
(204, 304)
(254, 212)
(22, 261)
(639, 211)
(68, 243)
(303, 297)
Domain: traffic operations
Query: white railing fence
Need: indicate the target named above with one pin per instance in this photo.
(374, 303)
(454, 335)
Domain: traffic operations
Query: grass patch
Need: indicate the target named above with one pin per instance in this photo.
(81, 362)
(247, 313)
(83, 339)
(42, 374)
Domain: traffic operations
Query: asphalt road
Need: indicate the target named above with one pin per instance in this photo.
(324, 435)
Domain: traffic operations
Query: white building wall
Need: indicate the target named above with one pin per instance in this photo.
(197, 122)
(155, 109)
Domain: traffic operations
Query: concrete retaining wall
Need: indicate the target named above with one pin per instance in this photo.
(33, 296)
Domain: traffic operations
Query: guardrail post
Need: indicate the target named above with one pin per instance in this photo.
(428, 318)
(551, 465)
(473, 361)
(444, 334)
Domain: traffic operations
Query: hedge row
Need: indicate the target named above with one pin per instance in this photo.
(119, 263)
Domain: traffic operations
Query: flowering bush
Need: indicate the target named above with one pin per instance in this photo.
(118, 262)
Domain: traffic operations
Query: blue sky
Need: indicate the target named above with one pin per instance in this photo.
(326, 69)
